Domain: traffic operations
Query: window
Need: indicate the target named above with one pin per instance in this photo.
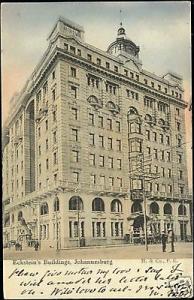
(79, 53)
(116, 206)
(72, 49)
(182, 210)
(53, 75)
(168, 156)
(75, 176)
(154, 208)
(74, 134)
(98, 205)
(169, 188)
(109, 124)
(119, 163)
(155, 153)
(55, 158)
(177, 111)
(74, 113)
(161, 138)
(39, 168)
(92, 159)
(145, 81)
(89, 56)
(102, 180)
(92, 179)
(118, 144)
(137, 77)
(39, 150)
(118, 126)
(65, 46)
(73, 72)
(163, 172)
(55, 177)
(111, 181)
(56, 204)
(180, 174)
(126, 72)
(100, 121)
(54, 137)
(162, 155)
(172, 93)
(148, 150)
(46, 124)
(179, 158)
(22, 180)
(44, 210)
(167, 140)
(47, 164)
(75, 203)
(152, 84)
(98, 61)
(110, 162)
(91, 119)
(159, 87)
(109, 143)
(73, 91)
(116, 69)
(107, 65)
(46, 144)
(75, 155)
(178, 126)
(169, 173)
(148, 135)
(180, 96)
(39, 132)
(131, 75)
(155, 136)
(101, 161)
(156, 169)
(181, 188)
(53, 95)
(101, 141)
(179, 142)
(54, 116)
(91, 139)
(165, 90)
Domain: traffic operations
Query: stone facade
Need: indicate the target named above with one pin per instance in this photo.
(73, 140)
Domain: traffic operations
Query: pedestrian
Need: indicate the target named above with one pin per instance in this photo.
(171, 239)
(36, 246)
(164, 238)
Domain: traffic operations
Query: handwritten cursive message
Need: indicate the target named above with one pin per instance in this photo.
(54, 279)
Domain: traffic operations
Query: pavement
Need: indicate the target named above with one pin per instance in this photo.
(182, 250)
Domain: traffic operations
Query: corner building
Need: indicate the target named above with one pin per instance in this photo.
(72, 144)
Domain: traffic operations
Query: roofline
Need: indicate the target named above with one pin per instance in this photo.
(68, 22)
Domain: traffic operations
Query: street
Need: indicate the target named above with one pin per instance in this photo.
(182, 250)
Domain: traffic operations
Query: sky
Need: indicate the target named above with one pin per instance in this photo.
(161, 29)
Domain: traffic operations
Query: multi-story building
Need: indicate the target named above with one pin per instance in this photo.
(73, 140)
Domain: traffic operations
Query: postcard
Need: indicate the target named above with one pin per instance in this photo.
(96, 148)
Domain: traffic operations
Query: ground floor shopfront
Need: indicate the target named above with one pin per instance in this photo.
(70, 220)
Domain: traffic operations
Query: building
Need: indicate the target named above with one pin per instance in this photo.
(73, 141)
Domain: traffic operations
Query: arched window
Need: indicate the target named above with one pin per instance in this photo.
(182, 210)
(167, 209)
(154, 208)
(75, 203)
(98, 204)
(44, 210)
(132, 111)
(116, 206)
(20, 215)
(136, 207)
(56, 204)
(148, 118)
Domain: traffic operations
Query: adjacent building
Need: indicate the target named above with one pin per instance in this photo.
(83, 132)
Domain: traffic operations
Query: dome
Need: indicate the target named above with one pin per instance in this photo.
(123, 45)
